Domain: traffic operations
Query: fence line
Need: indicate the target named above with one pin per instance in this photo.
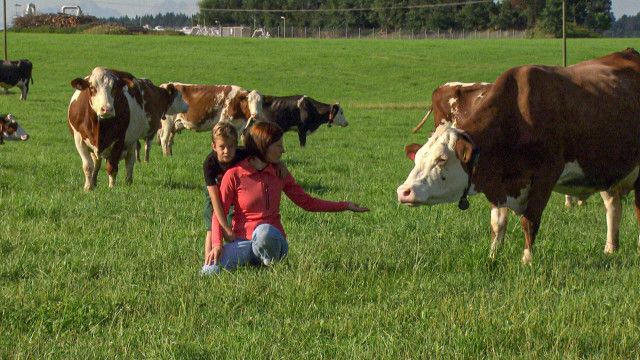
(352, 33)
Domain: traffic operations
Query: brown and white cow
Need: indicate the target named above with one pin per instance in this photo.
(109, 111)
(208, 104)
(575, 130)
(454, 102)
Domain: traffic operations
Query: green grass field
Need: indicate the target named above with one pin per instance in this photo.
(114, 273)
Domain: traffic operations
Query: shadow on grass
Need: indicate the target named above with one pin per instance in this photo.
(314, 188)
(178, 185)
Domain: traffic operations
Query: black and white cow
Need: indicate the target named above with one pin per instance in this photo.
(300, 112)
(16, 73)
(11, 130)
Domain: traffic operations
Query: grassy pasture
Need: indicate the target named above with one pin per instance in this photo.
(114, 273)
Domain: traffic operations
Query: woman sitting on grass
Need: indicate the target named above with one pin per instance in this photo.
(254, 189)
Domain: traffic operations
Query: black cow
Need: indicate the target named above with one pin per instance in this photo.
(16, 73)
(300, 112)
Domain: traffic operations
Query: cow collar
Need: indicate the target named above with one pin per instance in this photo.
(463, 203)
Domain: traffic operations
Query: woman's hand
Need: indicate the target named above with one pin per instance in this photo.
(356, 208)
(228, 234)
(213, 257)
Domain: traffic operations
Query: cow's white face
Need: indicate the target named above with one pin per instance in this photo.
(100, 83)
(438, 175)
(254, 99)
(178, 105)
(339, 118)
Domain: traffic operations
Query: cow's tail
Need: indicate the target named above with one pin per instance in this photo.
(417, 128)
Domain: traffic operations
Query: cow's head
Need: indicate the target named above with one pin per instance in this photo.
(177, 104)
(101, 85)
(12, 129)
(336, 116)
(442, 169)
(254, 99)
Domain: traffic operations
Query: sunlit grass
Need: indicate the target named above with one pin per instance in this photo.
(114, 273)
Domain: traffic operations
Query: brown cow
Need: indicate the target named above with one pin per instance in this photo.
(109, 111)
(208, 104)
(574, 130)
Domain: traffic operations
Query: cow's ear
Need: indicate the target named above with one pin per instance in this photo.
(79, 84)
(411, 150)
(464, 150)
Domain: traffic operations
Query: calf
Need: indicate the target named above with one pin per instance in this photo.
(541, 129)
(16, 73)
(300, 113)
(109, 111)
(208, 104)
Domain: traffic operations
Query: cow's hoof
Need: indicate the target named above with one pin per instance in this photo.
(610, 248)
(526, 257)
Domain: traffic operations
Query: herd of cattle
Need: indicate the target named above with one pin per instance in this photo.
(112, 110)
(535, 130)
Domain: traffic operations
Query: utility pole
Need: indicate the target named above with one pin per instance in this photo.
(4, 3)
(564, 33)
(284, 25)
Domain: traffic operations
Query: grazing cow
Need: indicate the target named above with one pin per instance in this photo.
(109, 111)
(16, 73)
(208, 104)
(301, 113)
(541, 129)
(11, 130)
(454, 103)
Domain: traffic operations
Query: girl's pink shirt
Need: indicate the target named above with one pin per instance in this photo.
(255, 196)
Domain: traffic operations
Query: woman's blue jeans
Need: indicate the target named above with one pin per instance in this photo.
(267, 245)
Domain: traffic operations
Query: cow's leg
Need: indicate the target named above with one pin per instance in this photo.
(130, 161)
(147, 148)
(23, 92)
(114, 158)
(138, 150)
(302, 136)
(567, 201)
(97, 163)
(539, 194)
(166, 135)
(87, 161)
(112, 171)
(614, 214)
(637, 206)
(499, 219)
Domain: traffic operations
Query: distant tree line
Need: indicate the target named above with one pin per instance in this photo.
(544, 15)
(584, 17)
(167, 20)
(626, 26)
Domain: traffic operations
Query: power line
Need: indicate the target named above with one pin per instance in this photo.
(424, 6)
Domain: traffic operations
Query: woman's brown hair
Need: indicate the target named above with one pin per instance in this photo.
(260, 136)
